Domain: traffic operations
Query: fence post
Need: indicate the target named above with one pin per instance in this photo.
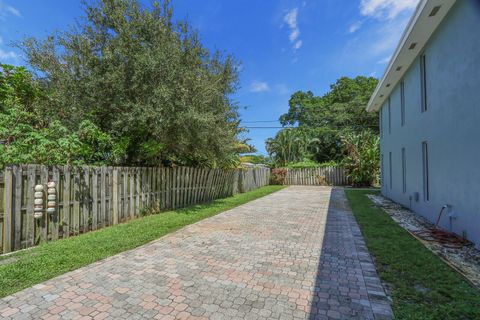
(115, 198)
(8, 213)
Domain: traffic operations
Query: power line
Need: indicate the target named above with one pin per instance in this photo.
(336, 127)
(267, 127)
(260, 121)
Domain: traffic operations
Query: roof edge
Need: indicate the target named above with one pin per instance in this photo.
(418, 31)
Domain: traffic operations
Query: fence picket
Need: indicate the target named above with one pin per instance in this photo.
(67, 175)
(55, 217)
(17, 229)
(115, 196)
(8, 213)
(131, 196)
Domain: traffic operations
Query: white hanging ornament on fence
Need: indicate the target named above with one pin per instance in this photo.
(52, 197)
(38, 202)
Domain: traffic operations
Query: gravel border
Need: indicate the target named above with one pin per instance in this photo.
(465, 260)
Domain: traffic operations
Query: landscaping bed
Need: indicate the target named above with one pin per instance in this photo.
(464, 258)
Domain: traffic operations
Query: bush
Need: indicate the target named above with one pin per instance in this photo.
(362, 160)
(278, 176)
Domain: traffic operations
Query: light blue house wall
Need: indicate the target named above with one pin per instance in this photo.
(450, 126)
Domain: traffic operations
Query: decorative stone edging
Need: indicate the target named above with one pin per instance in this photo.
(465, 260)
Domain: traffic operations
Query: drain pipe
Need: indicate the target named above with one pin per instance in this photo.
(451, 217)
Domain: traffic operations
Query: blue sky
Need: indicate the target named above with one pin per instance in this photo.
(283, 45)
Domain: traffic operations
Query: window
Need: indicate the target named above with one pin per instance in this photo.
(382, 171)
(390, 168)
(426, 187)
(423, 81)
(381, 123)
(402, 102)
(404, 171)
(389, 117)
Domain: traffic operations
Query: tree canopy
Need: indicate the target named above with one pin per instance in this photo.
(342, 108)
(127, 85)
(322, 121)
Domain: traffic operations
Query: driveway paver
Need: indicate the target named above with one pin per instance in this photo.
(295, 254)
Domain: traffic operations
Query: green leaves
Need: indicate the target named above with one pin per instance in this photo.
(362, 160)
(323, 122)
(342, 108)
(132, 87)
(29, 136)
(289, 145)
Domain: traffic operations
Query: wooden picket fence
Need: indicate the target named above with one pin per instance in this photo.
(90, 198)
(253, 178)
(331, 176)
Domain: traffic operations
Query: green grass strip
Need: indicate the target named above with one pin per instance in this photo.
(423, 286)
(51, 259)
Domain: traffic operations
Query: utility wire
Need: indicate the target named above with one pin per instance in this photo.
(336, 127)
(267, 127)
(260, 121)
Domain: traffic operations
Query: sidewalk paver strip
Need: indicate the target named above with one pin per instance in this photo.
(295, 254)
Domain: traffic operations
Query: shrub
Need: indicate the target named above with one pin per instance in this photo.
(278, 175)
(362, 160)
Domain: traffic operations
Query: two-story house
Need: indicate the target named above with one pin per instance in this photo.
(429, 108)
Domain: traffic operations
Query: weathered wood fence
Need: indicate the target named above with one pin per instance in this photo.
(89, 198)
(253, 178)
(327, 176)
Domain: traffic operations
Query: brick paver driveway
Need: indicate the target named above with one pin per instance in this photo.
(295, 254)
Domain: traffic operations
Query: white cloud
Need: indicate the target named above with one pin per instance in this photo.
(297, 44)
(386, 9)
(376, 43)
(290, 19)
(384, 60)
(355, 26)
(294, 35)
(259, 86)
(13, 11)
(6, 10)
(382, 23)
(7, 55)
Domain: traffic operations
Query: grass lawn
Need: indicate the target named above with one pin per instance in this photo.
(55, 258)
(423, 286)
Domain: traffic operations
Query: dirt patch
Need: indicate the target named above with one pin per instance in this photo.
(466, 259)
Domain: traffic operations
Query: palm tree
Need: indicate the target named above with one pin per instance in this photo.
(289, 145)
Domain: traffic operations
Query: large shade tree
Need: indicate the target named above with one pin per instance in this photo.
(142, 79)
